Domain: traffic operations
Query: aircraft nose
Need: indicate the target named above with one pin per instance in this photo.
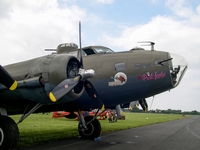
(178, 68)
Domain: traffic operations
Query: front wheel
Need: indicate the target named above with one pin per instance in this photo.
(9, 133)
(93, 128)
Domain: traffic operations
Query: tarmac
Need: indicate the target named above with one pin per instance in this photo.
(181, 134)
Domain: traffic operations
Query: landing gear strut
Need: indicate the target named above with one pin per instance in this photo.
(9, 133)
(90, 128)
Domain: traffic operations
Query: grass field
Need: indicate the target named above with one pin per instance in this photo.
(40, 128)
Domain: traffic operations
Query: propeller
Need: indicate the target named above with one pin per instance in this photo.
(6, 79)
(143, 104)
(68, 84)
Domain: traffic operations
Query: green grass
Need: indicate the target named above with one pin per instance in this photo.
(40, 128)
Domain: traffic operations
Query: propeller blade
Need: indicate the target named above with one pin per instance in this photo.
(143, 104)
(80, 50)
(93, 93)
(7, 80)
(63, 88)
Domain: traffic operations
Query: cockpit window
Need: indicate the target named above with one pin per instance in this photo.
(89, 51)
(97, 50)
(103, 50)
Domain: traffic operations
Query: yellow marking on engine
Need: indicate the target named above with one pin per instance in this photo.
(52, 97)
(13, 86)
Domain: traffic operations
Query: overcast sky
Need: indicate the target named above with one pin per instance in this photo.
(28, 27)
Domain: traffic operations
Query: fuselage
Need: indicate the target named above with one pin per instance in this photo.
(119, 78)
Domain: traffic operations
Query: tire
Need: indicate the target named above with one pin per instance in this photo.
(9, 133)
(94, 128)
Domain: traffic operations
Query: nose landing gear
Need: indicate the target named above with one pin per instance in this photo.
(90, 128)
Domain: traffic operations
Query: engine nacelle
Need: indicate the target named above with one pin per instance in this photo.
(61, 67)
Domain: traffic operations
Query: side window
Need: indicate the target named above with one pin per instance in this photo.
(138, 66)
(147, 65)
(141, 66)
(120, 66)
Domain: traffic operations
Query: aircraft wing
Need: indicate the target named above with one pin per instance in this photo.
(6, 79)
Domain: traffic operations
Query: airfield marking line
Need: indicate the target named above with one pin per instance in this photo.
(187, 127)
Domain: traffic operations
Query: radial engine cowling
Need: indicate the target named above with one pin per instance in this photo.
(61, 67)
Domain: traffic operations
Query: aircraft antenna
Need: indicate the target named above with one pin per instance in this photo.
(42, 51)
(50, 50)
(151, 44)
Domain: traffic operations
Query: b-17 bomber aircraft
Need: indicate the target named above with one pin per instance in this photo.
(82, 79)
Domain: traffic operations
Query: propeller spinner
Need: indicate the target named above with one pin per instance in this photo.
(6, 79)
(68, 84)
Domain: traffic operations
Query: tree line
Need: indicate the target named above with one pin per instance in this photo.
(168, 111)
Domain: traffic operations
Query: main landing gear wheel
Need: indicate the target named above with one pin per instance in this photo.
(93, 128)
(9, 133)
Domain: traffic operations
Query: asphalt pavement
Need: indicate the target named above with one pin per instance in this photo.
(181, 134)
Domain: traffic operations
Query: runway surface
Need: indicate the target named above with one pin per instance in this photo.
(181, 134)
